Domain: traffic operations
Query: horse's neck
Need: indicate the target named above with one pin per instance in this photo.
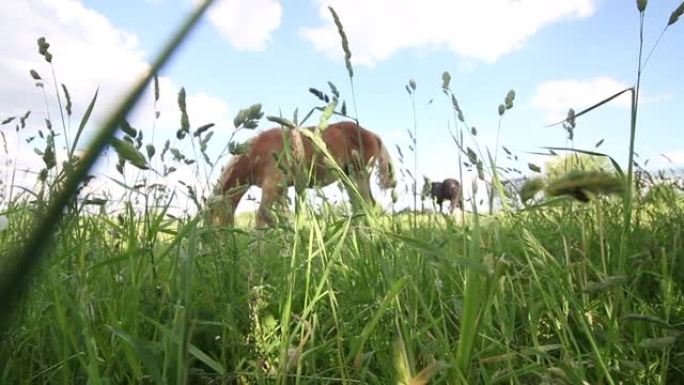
(236, 173)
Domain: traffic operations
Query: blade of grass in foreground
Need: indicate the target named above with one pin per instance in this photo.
(14, 279)
(472, 308)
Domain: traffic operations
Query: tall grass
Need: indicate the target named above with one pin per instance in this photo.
(328, 300)
(532, 296)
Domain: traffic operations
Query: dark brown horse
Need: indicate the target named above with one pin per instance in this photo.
(277, 158)
(450, 190)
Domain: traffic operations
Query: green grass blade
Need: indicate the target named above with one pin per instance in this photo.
(84, 121)
(597, 105)
(394, 291)
(143, 350)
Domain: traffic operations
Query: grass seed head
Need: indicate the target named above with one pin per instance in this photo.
(531, 188)
(579, 184)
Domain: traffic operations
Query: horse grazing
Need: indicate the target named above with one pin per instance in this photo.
(277, 157)
(449, 189)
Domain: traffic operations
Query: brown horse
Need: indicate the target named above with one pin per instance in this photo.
(277, 158)
(450, 190)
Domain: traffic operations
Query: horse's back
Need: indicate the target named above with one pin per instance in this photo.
(343, 138)
(337, 135)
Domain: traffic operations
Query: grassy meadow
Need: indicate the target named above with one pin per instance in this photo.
(146, 299)
(581, 284)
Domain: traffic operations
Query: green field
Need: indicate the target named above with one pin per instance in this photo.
(555, 291)
(525, 297)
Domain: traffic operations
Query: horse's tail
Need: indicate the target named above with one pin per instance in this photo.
(385, 167)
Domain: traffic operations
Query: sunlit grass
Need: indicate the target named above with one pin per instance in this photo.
(210, 303)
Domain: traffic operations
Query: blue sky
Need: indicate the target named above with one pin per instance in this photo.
(555, 55)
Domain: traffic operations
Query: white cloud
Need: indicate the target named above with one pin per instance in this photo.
(247, 24)
(482, 30)
(89, 53)
(204, 108)
(557, 96)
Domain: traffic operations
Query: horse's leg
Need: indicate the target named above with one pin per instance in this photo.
(362, 182)
(361, 178)
(365, 189)
(271, 192)
(284, 202)
(223, 212)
